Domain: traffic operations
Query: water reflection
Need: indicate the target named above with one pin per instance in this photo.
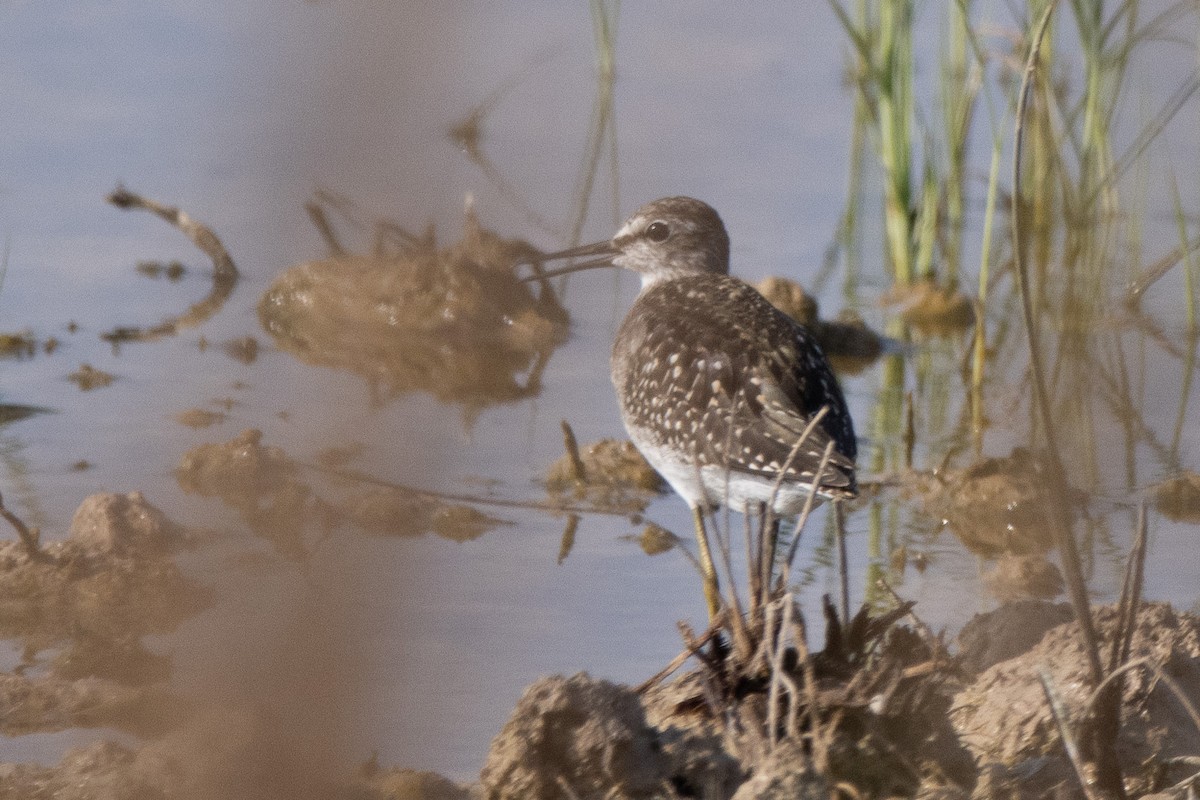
(224, 278)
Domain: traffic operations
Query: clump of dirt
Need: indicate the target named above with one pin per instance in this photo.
(89, 600)
(1012, 629)
(1179, 497)
(655, 540)
(454, 321)
(243, 349)
(610, 473)
(1017, 577)
(222, 754)
(575, 737)
(239, 471)
(934, 309)
(868, 709)
(879, 718)
(847, 341)
(396, 512)
(263, 485)
(113, 576)
(199, 418)
(17, 345)
(410, 784)
(1003, 718)
(88, 378)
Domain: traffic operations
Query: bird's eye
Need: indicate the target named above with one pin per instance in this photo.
(658, 232)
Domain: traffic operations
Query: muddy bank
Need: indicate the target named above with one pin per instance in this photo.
(974, 725)
(884, 709)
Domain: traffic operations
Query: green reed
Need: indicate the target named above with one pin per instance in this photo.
(882, 41)
(1088, 130)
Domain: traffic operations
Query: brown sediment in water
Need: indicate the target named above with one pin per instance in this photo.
(276, 499)
(847, 341)
(80, 607)
(996, 505)
(453, 321)
(1178, 498)
(932, 308)
(609, 473)
(88, 377)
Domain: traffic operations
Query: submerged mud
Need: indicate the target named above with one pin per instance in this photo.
(293, 505)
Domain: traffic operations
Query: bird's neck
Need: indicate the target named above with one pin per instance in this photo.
(658, 277)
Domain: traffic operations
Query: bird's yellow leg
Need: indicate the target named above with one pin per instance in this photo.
(712, 593)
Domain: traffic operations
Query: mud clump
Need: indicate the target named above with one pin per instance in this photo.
(934, 309)
(123, 524)
(847, 341)
(998, 505)
(199, 418)
(1019, 577)
(396, 512)
(112, 577)
(609, 473)
(655, 540)
(262, 484)
(1179, 497)
(456, 321)
(1003, 718)
(889, 720)
(88, 600)
(1012, 629)
(575, 738)
(17, 345)
(88, 378)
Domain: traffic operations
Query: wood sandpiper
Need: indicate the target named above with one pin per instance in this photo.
(716, 386)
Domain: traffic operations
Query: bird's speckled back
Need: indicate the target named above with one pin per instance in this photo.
(705, 366)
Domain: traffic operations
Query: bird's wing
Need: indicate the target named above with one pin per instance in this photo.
(769, 403)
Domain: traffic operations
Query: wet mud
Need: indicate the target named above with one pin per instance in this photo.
(453, 321)
(969, 724)
(932, 308)
(995, 506)
(79, 609)
(1179, 497)
(294, 505)
(610, 474)
(849, 344)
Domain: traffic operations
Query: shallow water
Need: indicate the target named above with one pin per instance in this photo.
(417, 647)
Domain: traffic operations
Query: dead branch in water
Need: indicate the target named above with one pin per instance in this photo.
(225, 273)
(30, 538)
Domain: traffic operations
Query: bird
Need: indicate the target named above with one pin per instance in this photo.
(717, 388)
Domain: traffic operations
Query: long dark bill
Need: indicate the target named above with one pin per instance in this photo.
(595, 256)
